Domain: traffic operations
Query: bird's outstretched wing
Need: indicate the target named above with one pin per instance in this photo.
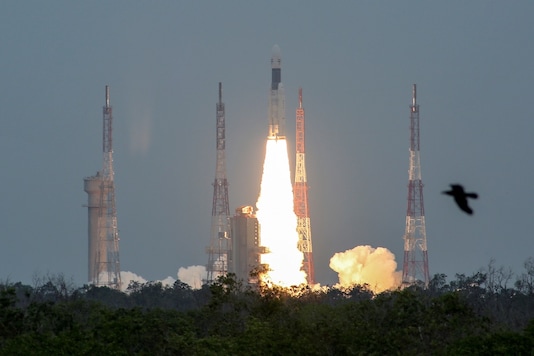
(460, 197)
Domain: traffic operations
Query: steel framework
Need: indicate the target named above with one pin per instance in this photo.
(219, 253)
(300, 193)
(104, 262)
(415, 268)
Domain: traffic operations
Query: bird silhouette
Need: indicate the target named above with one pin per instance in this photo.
(460, 197)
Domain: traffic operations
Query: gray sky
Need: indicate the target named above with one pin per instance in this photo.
(356, 62)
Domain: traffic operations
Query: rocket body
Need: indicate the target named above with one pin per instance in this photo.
(277, 101)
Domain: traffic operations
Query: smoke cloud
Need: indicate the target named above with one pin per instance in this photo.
(167, 282)
(375, 267)
(127, 277)
(192, 275)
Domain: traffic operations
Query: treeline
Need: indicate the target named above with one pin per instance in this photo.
(471, 315)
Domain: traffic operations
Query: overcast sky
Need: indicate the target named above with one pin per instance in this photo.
(472, 61)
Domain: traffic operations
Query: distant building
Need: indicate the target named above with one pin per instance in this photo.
(246, 249)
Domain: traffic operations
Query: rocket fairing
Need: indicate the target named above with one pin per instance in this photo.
(277, 119)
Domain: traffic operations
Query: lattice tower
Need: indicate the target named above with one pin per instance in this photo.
(415, 268)
(104, 262)
(219, 253)
(300, 193)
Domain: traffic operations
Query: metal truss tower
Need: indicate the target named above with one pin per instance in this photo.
(219, 252)
(300, 195)
(104, 263)
(415, 268)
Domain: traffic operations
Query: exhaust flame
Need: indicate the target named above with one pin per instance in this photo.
(277, 218)
(367, 265)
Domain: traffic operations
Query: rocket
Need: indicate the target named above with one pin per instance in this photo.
(277, 100)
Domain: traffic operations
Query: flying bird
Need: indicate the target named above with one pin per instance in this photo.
(460, 197)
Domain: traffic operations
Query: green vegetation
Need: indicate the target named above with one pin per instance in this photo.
(474, 315)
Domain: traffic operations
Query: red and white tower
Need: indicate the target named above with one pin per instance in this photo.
(104, 263)
(218, 251)
(415, 268)
(300, 193)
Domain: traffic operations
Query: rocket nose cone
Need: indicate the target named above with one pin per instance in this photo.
(276, 50)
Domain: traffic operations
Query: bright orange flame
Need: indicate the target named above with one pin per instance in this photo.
(277, 218)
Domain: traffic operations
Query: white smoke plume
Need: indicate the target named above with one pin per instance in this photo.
(167, 282)
(375, 267)
(192, 275)
(127, 277)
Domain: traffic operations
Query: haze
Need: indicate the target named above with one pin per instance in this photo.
(356, 61)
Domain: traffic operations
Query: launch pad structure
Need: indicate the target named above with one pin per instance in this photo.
(103, 247)
(415, 267)
(300, 193)
(218, 251)
(246, 245)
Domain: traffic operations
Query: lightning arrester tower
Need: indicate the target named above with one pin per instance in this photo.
(104, 263)
(415, 268)
(219, 253)
(300, 196)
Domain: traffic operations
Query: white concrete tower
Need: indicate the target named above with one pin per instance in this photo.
(104, 263)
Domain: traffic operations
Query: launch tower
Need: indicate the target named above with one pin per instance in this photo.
(104, 263)
(246, 249)
(219, 253)
(415, 268)
(300, 192)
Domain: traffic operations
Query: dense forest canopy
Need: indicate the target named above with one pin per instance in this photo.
(484, 313)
